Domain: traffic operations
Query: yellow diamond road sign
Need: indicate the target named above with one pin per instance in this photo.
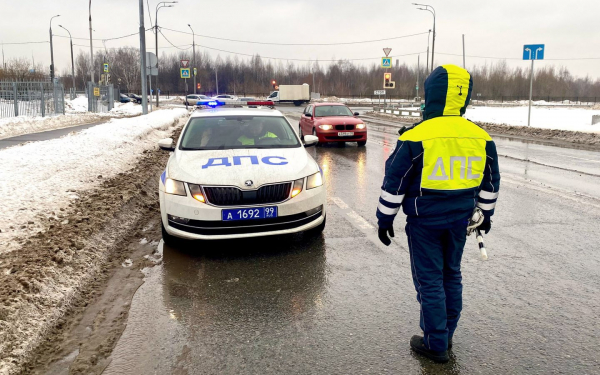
(184, 72)
(386, 62)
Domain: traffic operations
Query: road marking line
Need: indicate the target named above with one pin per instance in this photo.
(573, 157)
(364, 226)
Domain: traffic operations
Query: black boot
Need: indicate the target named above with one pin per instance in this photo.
(450, 343)
(418, 345)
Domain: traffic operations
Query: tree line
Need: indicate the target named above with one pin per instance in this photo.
(253, 76)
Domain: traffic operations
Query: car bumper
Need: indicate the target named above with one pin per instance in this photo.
(332, 136)
(184, 217)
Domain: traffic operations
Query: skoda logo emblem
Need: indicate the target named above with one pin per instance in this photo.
(249, 183)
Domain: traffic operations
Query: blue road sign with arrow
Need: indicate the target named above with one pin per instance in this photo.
(533, 51)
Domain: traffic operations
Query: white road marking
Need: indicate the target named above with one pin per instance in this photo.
(339, 202)
(573, 157)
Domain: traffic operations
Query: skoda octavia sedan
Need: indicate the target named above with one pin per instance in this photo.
(240, 172)
(333, 122)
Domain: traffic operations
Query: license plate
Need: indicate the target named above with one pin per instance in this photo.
(345, 134)
(249, 213)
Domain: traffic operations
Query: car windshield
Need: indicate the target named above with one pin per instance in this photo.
(332, 110)
(235, 132)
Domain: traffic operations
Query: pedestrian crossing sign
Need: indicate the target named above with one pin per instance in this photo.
(386, 62)
(184, 72)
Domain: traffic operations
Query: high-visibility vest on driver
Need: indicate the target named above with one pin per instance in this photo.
(247, 141)
(445, 166)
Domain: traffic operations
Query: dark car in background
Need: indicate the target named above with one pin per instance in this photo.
(134, 98)
(124, 99)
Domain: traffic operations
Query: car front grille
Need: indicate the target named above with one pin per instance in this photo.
(344, 127)
(232, 196)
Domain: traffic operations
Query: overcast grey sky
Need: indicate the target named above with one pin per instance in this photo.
(491, 28)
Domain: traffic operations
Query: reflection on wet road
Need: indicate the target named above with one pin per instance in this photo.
(343, 303)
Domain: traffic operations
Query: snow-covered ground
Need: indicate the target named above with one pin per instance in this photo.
(39, 178)
(75, 114)
(574, 119)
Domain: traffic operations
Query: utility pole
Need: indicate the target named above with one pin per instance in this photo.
(464, 63)
(52, 51)
(160, 5)
(217, 76)
(3, 63)
(142, 58)
(418, 68)
(91, 46)
(427, 65)
(194, 56)
(72, 61)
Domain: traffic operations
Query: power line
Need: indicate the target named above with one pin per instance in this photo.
(15, 43)
(161, 33)
(516, 58)
(295, 44)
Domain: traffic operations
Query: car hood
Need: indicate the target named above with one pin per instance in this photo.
(338, 120)
(235, 167)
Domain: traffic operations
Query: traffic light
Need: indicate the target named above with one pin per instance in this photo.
(198, 86)
(274, 83)
(387, 81)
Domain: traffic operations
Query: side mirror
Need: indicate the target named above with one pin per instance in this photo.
(166, 144)
(310, 140)
(308, 114)
(356, 114)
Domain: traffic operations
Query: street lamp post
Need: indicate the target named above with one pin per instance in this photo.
(431, 10)
(72, 62)
(427, 66)
(52, 51)
(194, 56)
(91, 46)
(162, 4)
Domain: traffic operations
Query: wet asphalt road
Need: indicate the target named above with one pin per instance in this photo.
(45, 135)
(343, 303)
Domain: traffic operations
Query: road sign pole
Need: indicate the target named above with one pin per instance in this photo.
(142, 57)
(530, 93)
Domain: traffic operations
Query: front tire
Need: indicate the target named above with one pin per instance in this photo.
(300, 132)
(169, 239)
(361, 143)
(316, 231)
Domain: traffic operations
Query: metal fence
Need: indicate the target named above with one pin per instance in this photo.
(100, 98)
(23, 98)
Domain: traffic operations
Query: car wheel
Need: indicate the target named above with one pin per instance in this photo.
(361, 143)
(316, 231)
(300, 132)
(315, 134)
(169, 239)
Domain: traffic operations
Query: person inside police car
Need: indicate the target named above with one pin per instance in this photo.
(441, 171)
(254, 132)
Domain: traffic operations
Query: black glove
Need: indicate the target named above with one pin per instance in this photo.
(486, 225)
(383, 235)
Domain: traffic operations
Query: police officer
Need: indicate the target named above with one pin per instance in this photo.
(254, 133)
(439, 172)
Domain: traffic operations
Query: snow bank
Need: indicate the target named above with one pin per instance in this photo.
(40, 178)
(573, 119)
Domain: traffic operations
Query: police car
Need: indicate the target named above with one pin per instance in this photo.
(240, 172)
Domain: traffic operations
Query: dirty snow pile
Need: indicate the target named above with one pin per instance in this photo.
(75, 114)
(39, 178)
(573, 119)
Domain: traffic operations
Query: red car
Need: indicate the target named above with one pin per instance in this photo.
(333, 122)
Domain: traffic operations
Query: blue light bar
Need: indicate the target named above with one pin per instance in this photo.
(210, 103)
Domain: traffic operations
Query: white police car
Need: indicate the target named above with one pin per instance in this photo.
(240, 172)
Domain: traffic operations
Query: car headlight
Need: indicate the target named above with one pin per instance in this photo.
(174, 187)
(314, 180)
(297, 188)
(326, 127)
(361, 126)
(196, 192)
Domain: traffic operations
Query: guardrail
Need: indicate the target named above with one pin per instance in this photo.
(405, 112)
